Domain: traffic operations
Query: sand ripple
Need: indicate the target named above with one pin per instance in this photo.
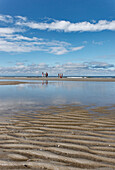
(59, 138)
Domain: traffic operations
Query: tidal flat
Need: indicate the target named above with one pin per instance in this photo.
(64, 137)
(57, 125)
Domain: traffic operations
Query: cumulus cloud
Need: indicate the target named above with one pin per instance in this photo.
(67, 26)
(13, 35)
(60, 25)
(13, 39)
(88, 68)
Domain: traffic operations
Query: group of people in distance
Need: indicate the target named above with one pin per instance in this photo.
(44, 74)
(60, 75)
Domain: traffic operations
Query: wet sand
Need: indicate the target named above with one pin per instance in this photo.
(68, 137)
(57, 79)
(11, 82)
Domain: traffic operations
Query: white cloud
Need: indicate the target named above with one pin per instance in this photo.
(12, 38)
(99, 65)
(17, 43)
(77, 48)
(93, 21)
(85, 42)
(6, 18)
(21, 18)
(12, 42)
(19, 64)
(89, 68)
(14, 46)
(6, 30)
(60, 25)
(67, 26)
(21, 37)
(58, 50)
(28, 46)
(97, 42)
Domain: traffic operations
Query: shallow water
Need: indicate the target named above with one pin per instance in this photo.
(46, 93)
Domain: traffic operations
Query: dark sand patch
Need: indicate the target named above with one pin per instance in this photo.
(12, 82)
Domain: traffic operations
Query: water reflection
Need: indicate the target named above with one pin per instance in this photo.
(45, 82)
(46, 93)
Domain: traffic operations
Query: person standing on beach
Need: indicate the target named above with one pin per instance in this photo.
(46, 74)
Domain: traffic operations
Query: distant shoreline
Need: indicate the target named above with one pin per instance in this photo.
(20, 80)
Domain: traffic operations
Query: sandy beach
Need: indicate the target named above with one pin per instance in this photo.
(57, 85)
(9, 80)
(68, 137)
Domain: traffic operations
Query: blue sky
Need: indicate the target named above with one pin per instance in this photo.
(73, 37)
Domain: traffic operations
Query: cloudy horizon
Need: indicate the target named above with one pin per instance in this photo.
(73, 45)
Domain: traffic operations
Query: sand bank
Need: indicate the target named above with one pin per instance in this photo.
(11, 82)
(50, 79)
(72, 138)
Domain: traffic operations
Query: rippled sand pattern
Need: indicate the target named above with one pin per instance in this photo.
(59, 138)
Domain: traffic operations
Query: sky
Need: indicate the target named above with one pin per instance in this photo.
(73, 37)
